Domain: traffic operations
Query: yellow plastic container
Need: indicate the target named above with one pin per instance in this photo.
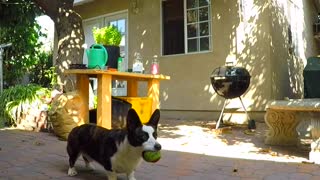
(142, 105)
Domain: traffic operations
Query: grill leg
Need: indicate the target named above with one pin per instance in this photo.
(220, 117)
(244, 108)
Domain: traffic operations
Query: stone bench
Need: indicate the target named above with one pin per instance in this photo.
(282, 119)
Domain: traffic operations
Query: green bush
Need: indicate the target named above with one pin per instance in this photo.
(44, 73)
(17, 99)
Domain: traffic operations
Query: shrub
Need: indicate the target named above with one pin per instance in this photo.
(18, 99)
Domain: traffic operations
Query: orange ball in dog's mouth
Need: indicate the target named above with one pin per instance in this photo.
(151, 156)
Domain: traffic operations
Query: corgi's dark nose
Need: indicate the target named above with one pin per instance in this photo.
(157, 147)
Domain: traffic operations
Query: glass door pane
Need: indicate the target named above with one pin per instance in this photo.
(119, 88)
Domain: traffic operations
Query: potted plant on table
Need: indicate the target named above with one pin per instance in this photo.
(110, 37)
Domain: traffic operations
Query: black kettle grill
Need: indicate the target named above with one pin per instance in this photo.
(230, 82)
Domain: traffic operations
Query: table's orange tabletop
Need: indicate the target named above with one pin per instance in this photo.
(105, 78)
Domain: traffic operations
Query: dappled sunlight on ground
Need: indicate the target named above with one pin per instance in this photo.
(200, 137)
(232, 141)
(37, 155)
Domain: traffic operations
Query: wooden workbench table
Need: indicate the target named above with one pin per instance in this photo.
(105, 78)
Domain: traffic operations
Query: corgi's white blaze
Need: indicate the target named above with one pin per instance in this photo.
(149, 144)
(127, 157)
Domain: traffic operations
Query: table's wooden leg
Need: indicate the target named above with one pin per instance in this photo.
(104, 101)
(282, 128)
(83, 89)
(132, 88)
(153, 92)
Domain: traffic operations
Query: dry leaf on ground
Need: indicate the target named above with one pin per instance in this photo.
(249, 132)
(265, 150)
(38, 143)
(185, 143)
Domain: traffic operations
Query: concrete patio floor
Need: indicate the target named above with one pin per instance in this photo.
(191, 150)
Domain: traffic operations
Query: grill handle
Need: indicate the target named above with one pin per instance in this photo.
(229, 64)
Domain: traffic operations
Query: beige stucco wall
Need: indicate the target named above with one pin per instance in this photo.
(287, 68)
(189, 87)
(261, 50)
(101, 7)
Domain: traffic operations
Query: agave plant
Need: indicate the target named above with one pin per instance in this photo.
(18, 99)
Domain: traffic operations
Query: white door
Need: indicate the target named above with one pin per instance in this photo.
(89, 40)
(120, 20)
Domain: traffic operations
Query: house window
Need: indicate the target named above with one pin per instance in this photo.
(186, 26)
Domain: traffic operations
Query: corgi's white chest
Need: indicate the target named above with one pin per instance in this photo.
(127, 158)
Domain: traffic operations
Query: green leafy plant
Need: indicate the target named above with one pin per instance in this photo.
(52, 75)
(18, 26)
(44, 73)
(17, 99)
(109, 35)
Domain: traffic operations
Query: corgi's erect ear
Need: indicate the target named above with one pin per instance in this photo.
(133, 120)
(154, 120)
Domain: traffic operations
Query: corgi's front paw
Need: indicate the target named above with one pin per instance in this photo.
(111, 175)
(131, 176)
(72, 171)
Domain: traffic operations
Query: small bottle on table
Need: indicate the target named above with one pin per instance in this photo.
(155, 66)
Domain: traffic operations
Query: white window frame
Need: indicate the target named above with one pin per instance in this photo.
(186, 31)
(198, 28)
(119, 88)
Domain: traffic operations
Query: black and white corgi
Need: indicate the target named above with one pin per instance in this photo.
(117, 150)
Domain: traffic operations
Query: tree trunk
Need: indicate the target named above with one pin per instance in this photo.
(70, 35)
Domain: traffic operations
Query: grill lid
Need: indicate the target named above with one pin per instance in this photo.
(230, 81)
(229, 71)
